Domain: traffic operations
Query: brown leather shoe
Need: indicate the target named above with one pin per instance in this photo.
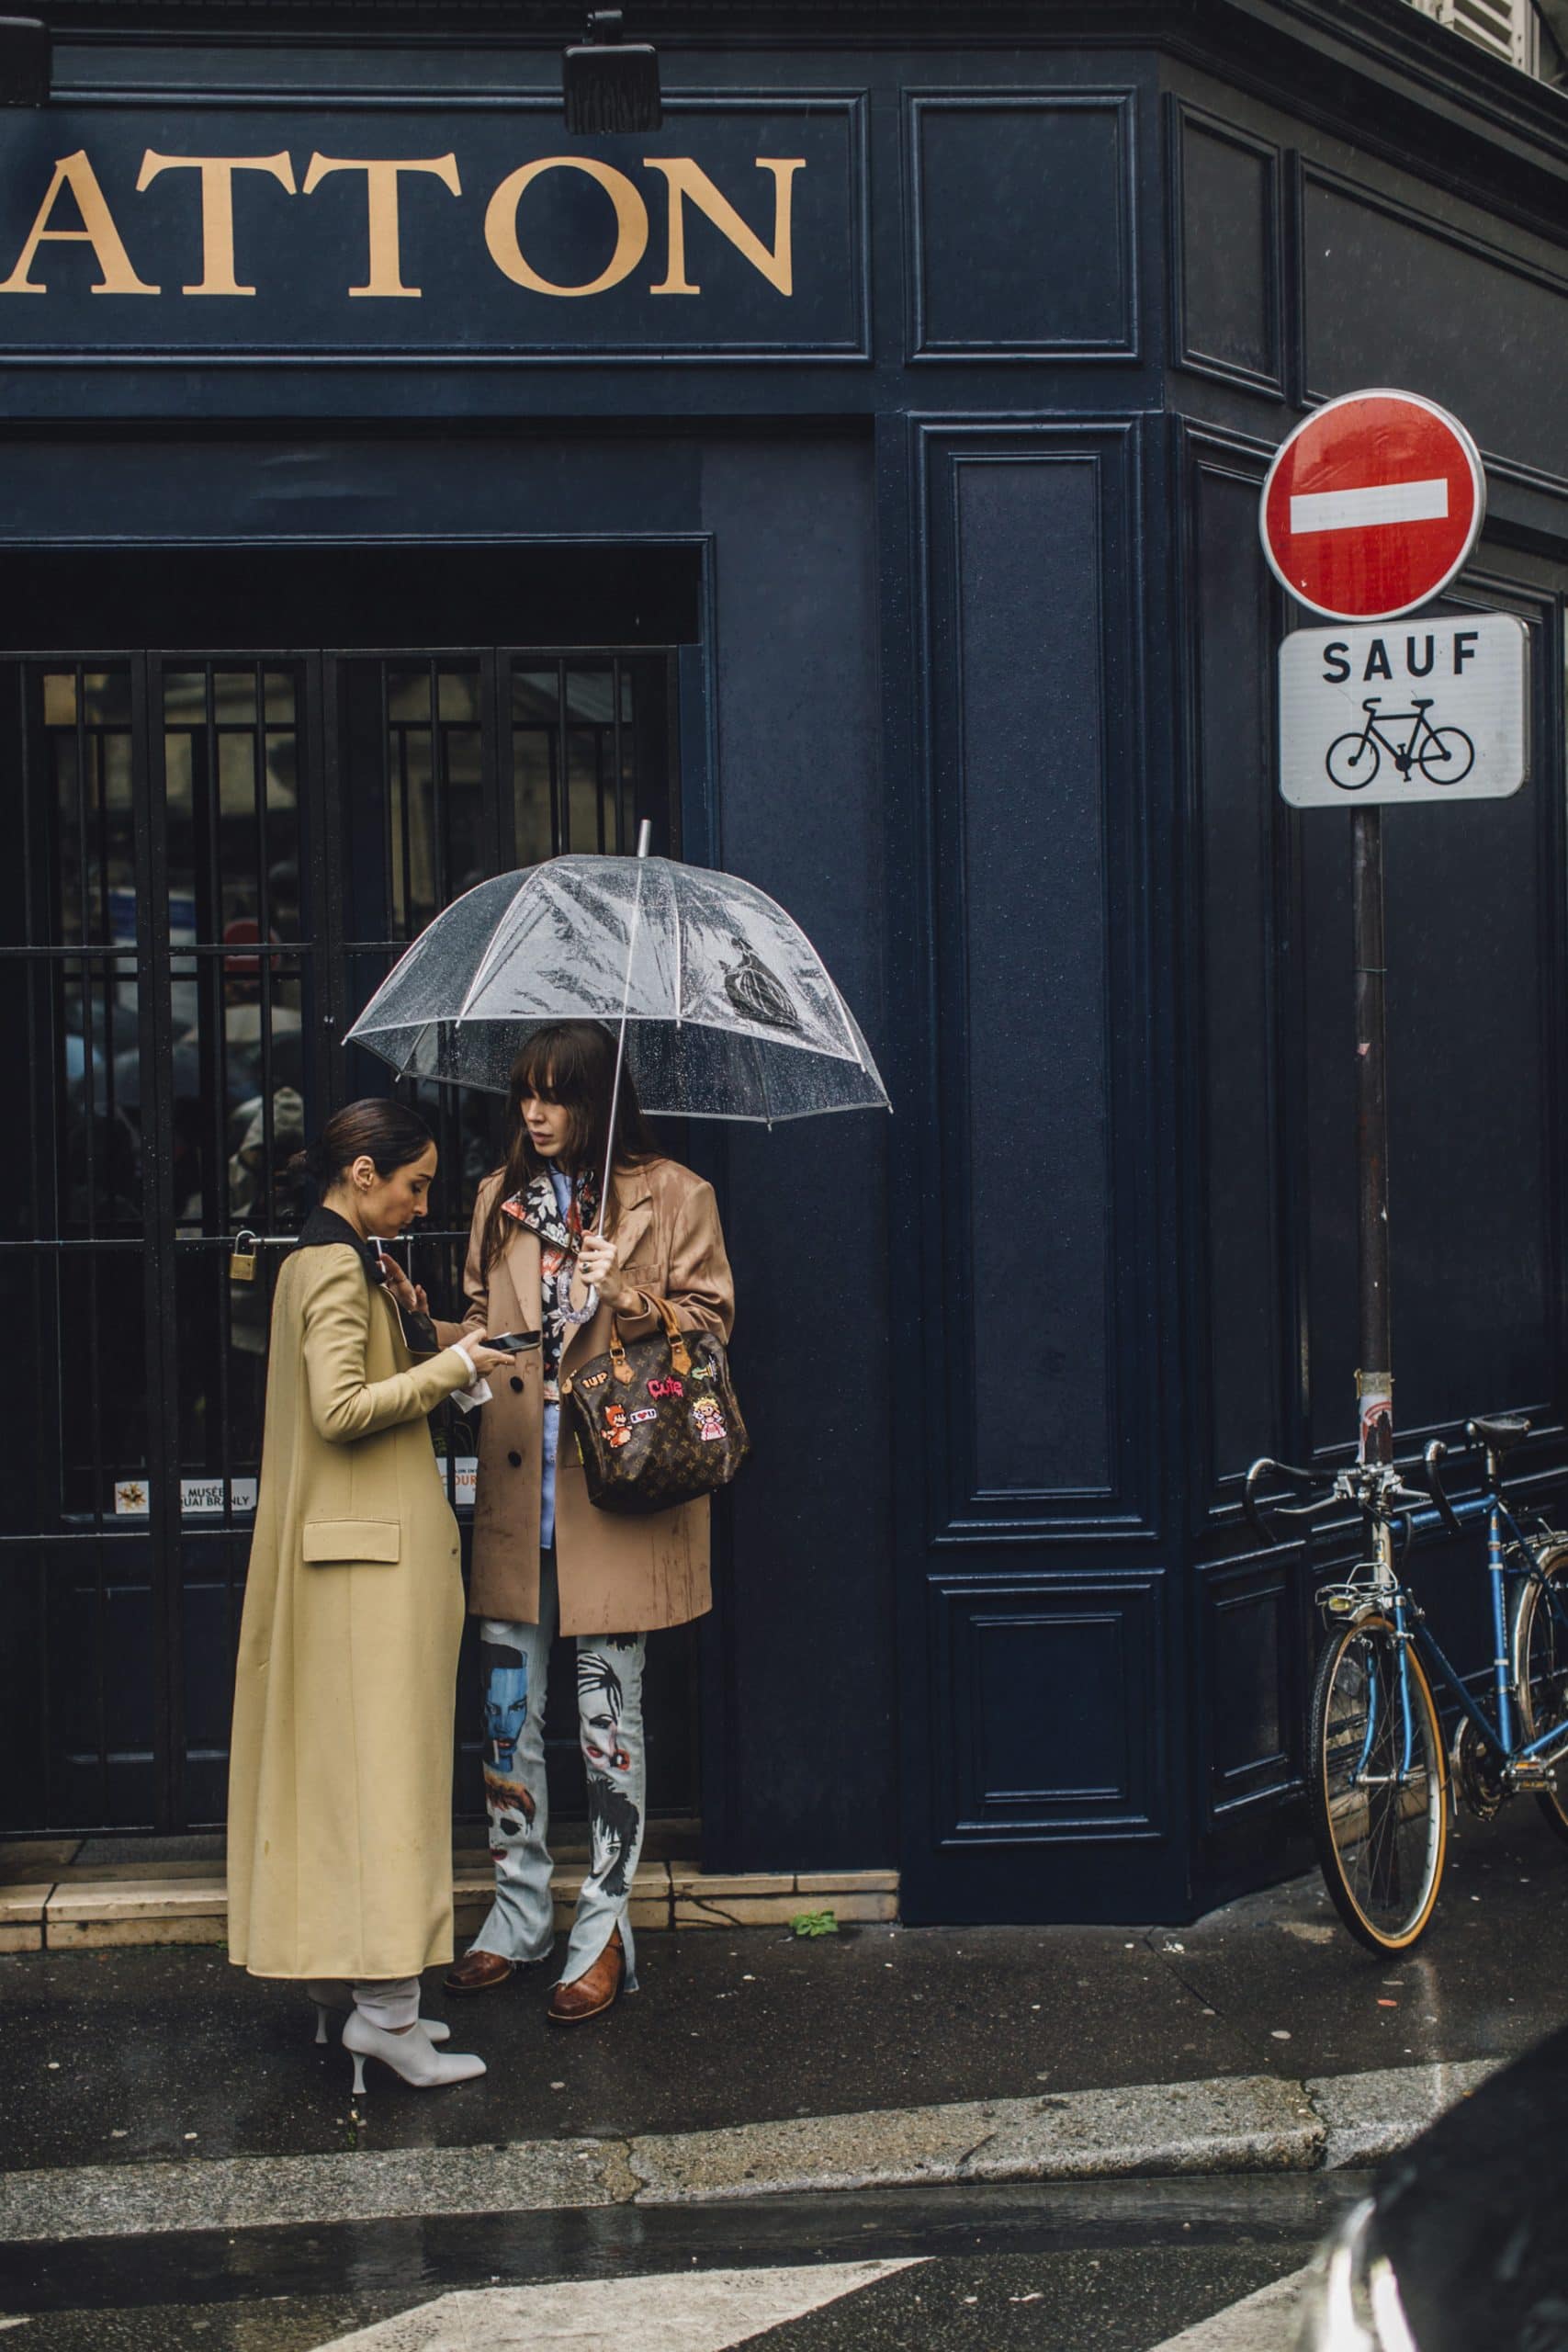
(477, 1972)
(595, 1990)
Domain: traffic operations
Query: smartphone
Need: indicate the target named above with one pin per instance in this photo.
(511, 1344)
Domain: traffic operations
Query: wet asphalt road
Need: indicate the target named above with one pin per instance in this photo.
(169, 2054)
(1120, 2267)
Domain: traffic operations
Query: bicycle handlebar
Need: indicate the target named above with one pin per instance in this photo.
(1375, 1489)
(1265, 1467)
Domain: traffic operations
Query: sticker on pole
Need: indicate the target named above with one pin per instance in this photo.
(1372, 505)
(1430, 711)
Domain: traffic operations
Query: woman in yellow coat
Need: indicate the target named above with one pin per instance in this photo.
(340, 1807)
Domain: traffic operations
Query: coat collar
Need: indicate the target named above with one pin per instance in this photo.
(324, 1228)
(633, 1190)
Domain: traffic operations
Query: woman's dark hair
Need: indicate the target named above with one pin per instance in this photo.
(571, 1063)
(377, 1128)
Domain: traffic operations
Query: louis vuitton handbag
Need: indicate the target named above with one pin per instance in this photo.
(657, 1420)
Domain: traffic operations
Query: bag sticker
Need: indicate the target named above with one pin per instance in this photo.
(668, 1387)
(708, 1419)
(645, 1413)
(591, 1379)
(616, 1433)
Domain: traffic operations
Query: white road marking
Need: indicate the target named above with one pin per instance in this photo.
(1265, 2321)
(706, 2310)
(1384, 502)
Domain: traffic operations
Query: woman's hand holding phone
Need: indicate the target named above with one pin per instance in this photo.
(484, 1359)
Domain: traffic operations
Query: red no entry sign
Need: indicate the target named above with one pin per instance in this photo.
(1371, 506)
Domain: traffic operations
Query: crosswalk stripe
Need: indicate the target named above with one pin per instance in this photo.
(1265, 2321)
(706, 2310)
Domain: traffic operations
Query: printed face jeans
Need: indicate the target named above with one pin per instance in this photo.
(514, 1664)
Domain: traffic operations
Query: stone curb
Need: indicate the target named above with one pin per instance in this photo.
(1228, 2124)
(1246, 2123)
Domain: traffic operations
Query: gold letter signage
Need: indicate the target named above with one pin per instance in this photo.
(217, 208)
(76, 174)
(685, 180)
(385, 275)
(631, 225)
(325, 227)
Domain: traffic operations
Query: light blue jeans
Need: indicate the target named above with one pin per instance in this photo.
(515, 1662)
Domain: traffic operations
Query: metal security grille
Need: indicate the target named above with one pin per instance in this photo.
(1509, 29)
(219, 856)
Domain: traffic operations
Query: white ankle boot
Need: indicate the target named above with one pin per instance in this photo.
(333, 1998)
(411, 2055)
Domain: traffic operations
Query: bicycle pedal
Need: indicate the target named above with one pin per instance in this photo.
(1531, 1780)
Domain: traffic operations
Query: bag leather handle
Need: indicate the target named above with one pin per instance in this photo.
(674, 1337)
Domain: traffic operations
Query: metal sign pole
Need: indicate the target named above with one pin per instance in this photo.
(1369, 509)
(1374, 1381)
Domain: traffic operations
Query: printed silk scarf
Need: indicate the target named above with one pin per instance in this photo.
(535, 1207)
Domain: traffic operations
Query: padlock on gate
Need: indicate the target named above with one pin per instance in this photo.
(242, 1258)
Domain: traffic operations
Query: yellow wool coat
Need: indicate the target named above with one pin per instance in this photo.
(340, 1776)
(615, 1575)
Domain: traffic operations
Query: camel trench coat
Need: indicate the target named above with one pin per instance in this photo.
(617, 1575)
(340, 1778)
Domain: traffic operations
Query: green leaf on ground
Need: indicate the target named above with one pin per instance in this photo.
(814, 1923)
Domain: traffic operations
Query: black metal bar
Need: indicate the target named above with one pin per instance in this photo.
(325, 844)
(403, 912)
(672, 797)
(84, 918)
(1375, 1379)
(161, 1293)
(439, 816)
(560, 766)
(625, 821)
(43, 1008)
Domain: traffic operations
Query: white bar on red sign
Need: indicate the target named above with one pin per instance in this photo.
(1355, 510)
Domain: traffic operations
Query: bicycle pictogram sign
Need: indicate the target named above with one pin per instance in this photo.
(1436, 713)
(1443, 755)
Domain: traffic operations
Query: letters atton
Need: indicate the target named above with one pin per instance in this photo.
(75, 210)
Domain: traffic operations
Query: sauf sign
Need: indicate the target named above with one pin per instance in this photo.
(1419, 712)
(498, 237)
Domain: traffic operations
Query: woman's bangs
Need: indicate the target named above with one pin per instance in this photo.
(552, 1066)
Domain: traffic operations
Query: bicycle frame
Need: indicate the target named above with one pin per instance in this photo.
(1410, 1627)
(1404, 756)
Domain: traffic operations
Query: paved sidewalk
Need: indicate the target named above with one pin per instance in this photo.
(147, 2089)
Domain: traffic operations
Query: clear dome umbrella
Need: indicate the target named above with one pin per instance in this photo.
(724, 1009)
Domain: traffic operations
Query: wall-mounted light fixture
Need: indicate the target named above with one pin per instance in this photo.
(608, 83)
(26, 61)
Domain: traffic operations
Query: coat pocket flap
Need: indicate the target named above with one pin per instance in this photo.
(352, 1539)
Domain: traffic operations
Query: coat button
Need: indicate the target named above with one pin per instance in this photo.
(516, 1460)
(516, 1385)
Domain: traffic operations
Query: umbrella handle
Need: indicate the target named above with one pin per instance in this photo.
(644, 846)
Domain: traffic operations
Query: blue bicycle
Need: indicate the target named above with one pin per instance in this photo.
(1379, 1769)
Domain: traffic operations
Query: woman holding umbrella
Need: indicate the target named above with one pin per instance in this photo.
(725, 1010)
(541, 1257)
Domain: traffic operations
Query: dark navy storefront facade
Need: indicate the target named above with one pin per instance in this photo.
(908, 395)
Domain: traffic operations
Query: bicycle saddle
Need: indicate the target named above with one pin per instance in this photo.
(1499, 1435)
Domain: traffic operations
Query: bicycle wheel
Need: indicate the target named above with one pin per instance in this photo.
(1380, 1845)
(1351, 760)
(1446, 756)
(1541, 1664)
